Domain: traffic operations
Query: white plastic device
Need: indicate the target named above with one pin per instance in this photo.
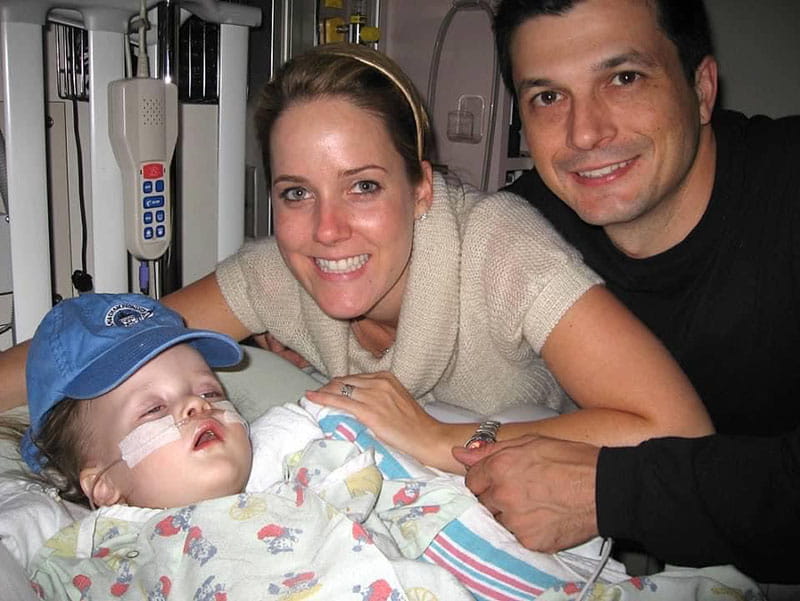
(143, 128)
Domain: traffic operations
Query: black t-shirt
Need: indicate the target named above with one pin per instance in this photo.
(725, 300)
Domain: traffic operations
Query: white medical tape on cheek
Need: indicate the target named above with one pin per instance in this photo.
(148, 437)
(230, 415)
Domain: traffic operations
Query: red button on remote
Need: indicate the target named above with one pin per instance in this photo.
(153, 170)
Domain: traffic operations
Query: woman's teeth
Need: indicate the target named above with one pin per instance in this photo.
(342, 265)
(603, 171)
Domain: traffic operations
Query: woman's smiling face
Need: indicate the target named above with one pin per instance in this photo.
(344, 207)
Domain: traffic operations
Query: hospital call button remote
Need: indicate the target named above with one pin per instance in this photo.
(143, 129)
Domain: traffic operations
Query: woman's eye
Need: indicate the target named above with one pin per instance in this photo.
(294, 194)
(366, 187)
(546, 98)
(626, 78)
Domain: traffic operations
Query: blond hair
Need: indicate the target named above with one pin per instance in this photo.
(63, 442)
(365, 77)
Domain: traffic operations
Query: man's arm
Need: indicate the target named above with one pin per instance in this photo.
(688, 501)
(541, 489)
(707, 501)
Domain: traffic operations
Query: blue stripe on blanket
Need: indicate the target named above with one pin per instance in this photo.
(345, 427)
(487, 571)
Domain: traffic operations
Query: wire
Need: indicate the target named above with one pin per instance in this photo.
(81, 279)
(127, 54)
(433, 76)
(142, 64)
(605, 553)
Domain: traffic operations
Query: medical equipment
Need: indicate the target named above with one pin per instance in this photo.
(22, 25)
(143, 127)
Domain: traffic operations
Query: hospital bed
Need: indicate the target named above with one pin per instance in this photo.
(28, 517)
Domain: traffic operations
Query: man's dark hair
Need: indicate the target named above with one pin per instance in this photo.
(685, 22)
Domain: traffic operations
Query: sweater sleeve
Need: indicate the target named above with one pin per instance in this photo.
(259, 288)
(531, 276)
(707, 501)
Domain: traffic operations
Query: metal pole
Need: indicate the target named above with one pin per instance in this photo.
(166, 273)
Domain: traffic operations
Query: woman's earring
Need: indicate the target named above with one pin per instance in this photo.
(423, 217)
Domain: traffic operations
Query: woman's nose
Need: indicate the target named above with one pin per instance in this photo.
(332, 223)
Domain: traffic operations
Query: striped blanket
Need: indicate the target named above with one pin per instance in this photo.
(331, 513)
(488, 561)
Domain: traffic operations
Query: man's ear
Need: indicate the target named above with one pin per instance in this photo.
(705, 86)
(99, 487)
(424, 191)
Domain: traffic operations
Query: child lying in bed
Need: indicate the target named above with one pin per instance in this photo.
(127, 415)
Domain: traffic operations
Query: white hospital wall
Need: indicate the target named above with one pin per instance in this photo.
(757, 43)
(410, 28)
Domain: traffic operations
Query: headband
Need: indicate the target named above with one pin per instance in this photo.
(419, 116)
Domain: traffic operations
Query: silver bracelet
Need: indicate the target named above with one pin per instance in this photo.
(486, 433)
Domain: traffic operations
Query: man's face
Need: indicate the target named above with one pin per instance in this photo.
(611, 121)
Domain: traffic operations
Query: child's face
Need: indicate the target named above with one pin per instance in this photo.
(210, 458)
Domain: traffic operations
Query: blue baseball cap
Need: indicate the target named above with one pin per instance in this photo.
(86, 346)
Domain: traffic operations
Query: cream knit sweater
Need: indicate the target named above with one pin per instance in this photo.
(489, 278)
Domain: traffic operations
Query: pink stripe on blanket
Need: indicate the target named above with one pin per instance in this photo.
(469, 582)
(347, 433)
(482, 567)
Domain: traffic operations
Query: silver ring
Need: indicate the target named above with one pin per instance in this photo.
(347, 390)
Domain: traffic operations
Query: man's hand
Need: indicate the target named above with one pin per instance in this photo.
(541, 489)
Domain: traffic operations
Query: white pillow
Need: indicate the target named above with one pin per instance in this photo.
(29, 515)
(15, 581)
(264, 380)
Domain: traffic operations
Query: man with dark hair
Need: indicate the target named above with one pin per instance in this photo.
(691, 215)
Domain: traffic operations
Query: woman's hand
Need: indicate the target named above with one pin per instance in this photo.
(382, 403)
